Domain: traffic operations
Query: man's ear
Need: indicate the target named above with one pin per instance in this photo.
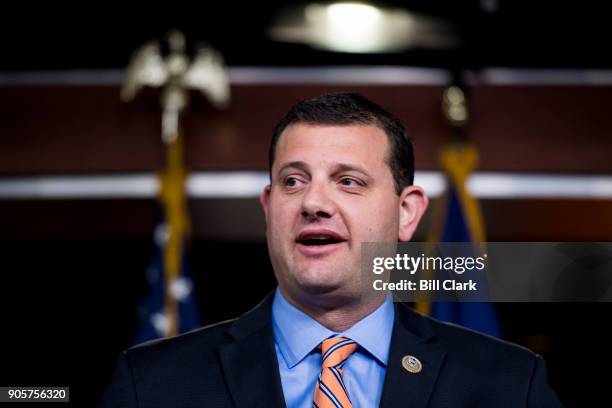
(412, 206)
(264, 199)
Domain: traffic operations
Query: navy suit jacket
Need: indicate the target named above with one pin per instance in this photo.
(233, 364)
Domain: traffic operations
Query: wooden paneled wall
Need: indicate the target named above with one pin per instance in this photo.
(81, 129)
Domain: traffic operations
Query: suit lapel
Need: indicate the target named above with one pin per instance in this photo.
(249, 363)
(410, 338)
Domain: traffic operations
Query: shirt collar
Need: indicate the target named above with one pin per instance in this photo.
(297, 334)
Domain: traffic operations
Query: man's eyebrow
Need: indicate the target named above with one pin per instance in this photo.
(300, 165)
(340, 167)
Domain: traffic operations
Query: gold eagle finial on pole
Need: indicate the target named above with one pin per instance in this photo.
(176, 73)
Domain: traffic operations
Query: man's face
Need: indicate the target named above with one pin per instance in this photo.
(331, 190)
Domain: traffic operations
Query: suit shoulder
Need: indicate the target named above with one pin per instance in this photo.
(478, 345)
(202, 341)
(156, 373)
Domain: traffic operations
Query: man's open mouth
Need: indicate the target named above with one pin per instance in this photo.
(319, 240)
(311, 238)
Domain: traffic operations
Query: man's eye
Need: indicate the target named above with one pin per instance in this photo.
(291, 181)
(349, 182)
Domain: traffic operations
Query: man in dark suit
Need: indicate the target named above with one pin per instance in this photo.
(341, 173)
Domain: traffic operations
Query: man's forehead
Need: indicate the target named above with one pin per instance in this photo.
(354, 140)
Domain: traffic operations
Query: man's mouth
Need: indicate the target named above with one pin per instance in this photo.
(319, 242)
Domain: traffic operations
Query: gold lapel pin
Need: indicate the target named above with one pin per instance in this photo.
(412, 364)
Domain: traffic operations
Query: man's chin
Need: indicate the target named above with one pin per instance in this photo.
(327, 296)
(319, 283)
(319, 288)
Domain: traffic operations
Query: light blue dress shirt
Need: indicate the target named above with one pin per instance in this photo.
(297, 336)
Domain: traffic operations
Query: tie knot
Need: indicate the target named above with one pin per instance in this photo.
(336, 350)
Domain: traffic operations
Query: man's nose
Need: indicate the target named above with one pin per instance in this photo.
(317, 202)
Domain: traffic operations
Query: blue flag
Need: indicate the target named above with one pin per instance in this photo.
(154, 318)
(480, 316)
(460, 220)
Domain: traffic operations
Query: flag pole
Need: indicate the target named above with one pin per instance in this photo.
(458, 158)
(458, 218)
(173, 198)
(175, 73)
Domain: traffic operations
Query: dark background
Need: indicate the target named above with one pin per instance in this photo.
(520, 33)
(73, 270)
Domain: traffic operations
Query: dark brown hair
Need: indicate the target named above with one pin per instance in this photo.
(344, 108)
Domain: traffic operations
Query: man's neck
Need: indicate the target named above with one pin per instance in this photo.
(336, 313)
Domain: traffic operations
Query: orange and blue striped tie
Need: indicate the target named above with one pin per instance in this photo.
(330, 390)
